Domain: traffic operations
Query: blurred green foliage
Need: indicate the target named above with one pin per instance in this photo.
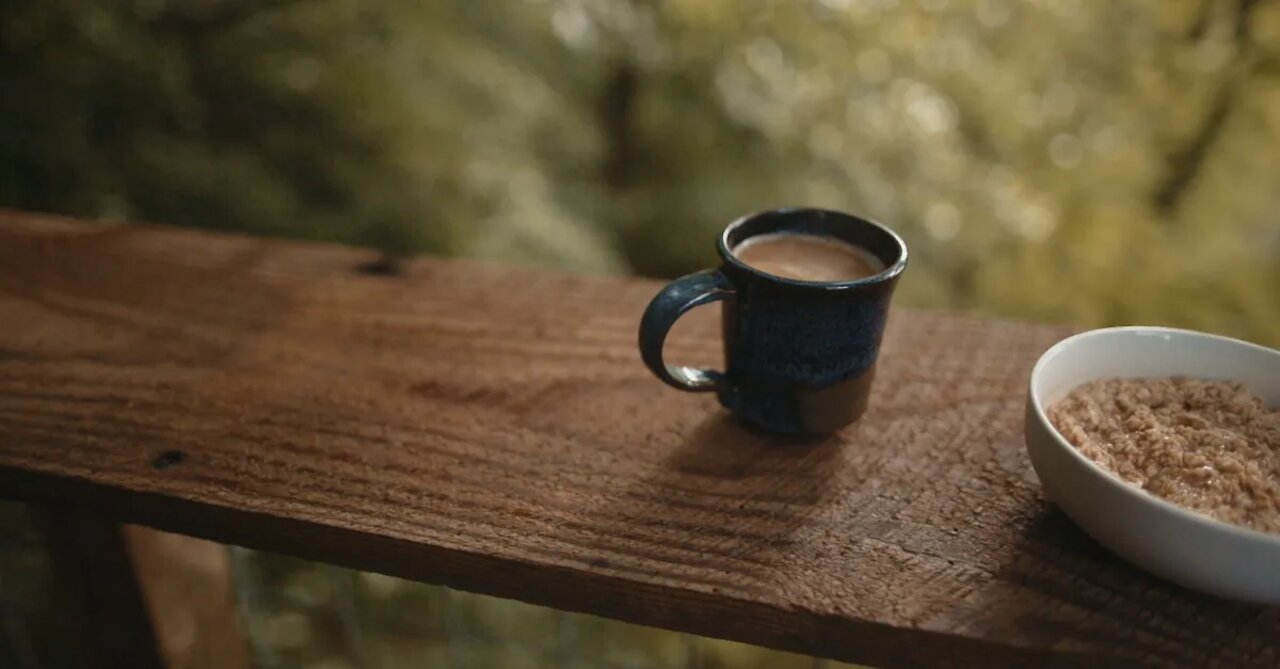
(1070, 160)
(1085, 162)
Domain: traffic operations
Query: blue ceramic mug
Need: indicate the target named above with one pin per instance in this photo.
(799, 355)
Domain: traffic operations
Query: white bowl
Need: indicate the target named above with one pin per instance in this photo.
(1167, 540)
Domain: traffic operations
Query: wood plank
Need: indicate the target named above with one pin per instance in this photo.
(95, 576)
(492, 428)
(144, 598)
(187, 585)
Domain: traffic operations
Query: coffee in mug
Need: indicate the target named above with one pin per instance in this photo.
(805, 295)
(807, 257)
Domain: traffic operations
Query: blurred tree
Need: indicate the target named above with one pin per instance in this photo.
(1095, 163)
(194, 113)
(1071, 160)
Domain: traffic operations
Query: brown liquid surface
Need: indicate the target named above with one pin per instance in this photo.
(807, 257)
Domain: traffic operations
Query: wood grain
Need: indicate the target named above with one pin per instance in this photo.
(492, 428)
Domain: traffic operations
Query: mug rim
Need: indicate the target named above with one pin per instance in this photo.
(888, 273)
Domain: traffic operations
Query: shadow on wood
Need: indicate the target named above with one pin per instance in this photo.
(776, 483)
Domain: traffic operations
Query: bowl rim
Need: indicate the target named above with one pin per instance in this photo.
(1209, 522)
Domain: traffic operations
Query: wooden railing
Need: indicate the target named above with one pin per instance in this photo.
(492, 429)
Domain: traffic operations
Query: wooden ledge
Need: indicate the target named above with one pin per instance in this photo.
(491, 428)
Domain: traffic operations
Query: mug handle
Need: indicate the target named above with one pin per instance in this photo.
(668, 305)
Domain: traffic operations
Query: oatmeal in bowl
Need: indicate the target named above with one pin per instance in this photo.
(1162, 445)
(1208, 446)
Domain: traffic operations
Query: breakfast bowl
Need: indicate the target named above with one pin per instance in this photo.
(1181, 545)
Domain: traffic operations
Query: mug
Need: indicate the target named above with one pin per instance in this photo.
(799, 355)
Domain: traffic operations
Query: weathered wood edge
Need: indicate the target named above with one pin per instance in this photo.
(665, 607)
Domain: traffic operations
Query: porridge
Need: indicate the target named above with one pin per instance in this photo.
(1209, 446)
